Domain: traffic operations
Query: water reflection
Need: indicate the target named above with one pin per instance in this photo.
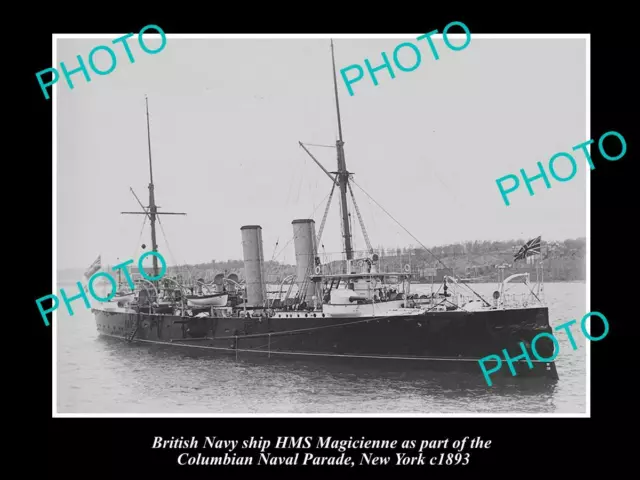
(308, 382)
(102, 375)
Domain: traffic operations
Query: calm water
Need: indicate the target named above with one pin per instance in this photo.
(100, 376)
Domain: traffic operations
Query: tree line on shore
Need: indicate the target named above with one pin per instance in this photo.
(563, 261)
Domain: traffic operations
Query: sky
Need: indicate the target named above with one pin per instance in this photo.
(226, 116)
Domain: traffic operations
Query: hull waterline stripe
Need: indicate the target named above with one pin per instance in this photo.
(415, 317)
(271, 352)
(404, 316)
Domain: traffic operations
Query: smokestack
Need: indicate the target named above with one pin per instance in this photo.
(304, 234)
(253, 264)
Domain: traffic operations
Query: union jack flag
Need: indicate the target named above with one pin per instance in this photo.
(532, 247)
(94, 267)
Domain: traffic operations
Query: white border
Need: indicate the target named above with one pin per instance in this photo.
(54, 323)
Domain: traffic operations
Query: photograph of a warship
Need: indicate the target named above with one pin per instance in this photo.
(346, 310)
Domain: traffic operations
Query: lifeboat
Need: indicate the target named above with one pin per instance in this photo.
(211, 300)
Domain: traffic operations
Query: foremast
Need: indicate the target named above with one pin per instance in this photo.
(153, 208)
(151, 211)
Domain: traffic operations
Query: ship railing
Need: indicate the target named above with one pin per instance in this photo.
(182, 288)
(509, 300)
(519, 300)
(152, 293)
(237, 286)
(210, 288)
(278, 295)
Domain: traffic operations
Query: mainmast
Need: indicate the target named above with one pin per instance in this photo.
(342, 173)
(152, 210)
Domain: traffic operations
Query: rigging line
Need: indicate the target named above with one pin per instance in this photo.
(285, 246)
(362, 226)
(399, 224)
(169, 248)
(354, 243)
(293, 238)
(423, 246)
(451, 191)
(292, 181)
(302, 177)
(173, 257)
(343, 253)
(531, 290)
(316, 145)
(273, 256)
(371, 217)
(144, 222)
(299, 189)
(326, 212)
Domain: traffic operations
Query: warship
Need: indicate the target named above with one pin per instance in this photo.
(345, 311)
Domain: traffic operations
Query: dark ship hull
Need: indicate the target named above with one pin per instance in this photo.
(429, 341)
